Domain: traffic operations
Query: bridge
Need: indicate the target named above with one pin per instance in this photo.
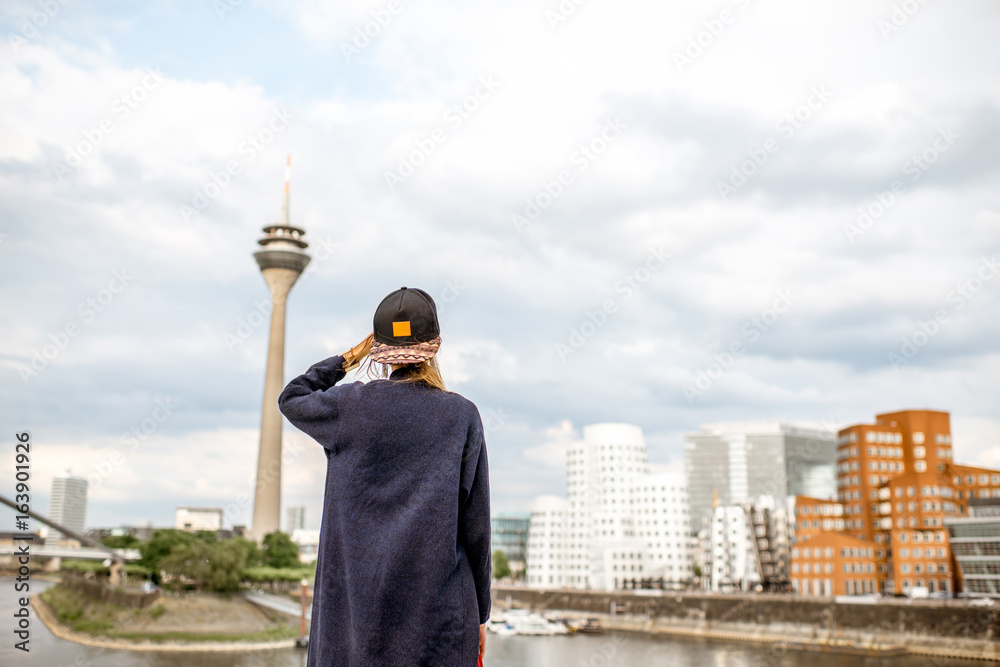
(82, 553)
(97, 550)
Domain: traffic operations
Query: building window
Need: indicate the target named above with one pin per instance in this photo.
(919, 452)
(918, 438)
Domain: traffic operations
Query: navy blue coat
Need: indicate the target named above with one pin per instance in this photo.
(403, 571)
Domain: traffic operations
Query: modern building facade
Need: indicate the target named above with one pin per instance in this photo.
(67, 505)
(509, 534)
(620, 524)
(748, 547)
(282, 259)
(731, 565)
(296, 518)
(730, 464)
(198, 518)
(975, 543)
(663, 525)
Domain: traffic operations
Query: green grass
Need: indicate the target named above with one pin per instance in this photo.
(265, 574)
(80, 612)
(275, 634)
(94, 617)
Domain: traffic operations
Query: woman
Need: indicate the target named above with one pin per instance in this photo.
(403, 572)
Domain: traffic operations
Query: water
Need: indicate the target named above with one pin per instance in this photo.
(608, 650)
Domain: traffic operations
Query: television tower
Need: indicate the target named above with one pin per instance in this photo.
(282, 258)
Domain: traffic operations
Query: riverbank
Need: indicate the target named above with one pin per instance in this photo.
(188, 623)
(786, 623)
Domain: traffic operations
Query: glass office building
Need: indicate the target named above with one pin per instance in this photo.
(730, 464)
(975, 542)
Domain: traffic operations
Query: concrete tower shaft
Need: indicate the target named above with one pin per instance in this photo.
(281, 259)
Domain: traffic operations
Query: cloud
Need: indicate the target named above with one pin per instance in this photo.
(507, 299)
(552, 452)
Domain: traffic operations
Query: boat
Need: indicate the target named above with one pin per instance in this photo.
(523, 622)
(587, 626)
(499, 627)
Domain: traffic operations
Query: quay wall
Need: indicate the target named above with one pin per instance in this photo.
(951, 628)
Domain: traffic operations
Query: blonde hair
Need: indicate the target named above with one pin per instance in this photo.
(426, 372)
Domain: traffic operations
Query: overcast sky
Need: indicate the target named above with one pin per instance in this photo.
(665, 214)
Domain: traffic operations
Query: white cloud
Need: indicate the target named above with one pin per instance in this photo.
(552, 452)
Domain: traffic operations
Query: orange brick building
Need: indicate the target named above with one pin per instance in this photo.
(913, 510)
(896, 482)
(814, 516)
(973, 482)
(834, 564)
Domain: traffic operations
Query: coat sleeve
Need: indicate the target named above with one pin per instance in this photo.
(474, 514)
(310, 403)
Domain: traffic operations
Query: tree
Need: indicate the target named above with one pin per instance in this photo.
(280, 551)
(501, 568)
(254, 556)
(218, 566)
(209, 536)
(161, 544)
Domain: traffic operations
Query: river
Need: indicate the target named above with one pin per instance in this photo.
(608, 650)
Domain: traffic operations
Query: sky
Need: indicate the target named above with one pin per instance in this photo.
(664, 214)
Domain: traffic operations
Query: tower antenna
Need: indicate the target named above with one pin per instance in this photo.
(288, 190)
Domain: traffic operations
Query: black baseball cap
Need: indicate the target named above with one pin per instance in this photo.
(406, 317)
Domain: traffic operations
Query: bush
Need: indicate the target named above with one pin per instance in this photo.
(136, 570)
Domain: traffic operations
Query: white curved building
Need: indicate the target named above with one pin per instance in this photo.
(621, 522)
(546, 552)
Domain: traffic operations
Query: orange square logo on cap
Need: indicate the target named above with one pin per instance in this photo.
(400, 329)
